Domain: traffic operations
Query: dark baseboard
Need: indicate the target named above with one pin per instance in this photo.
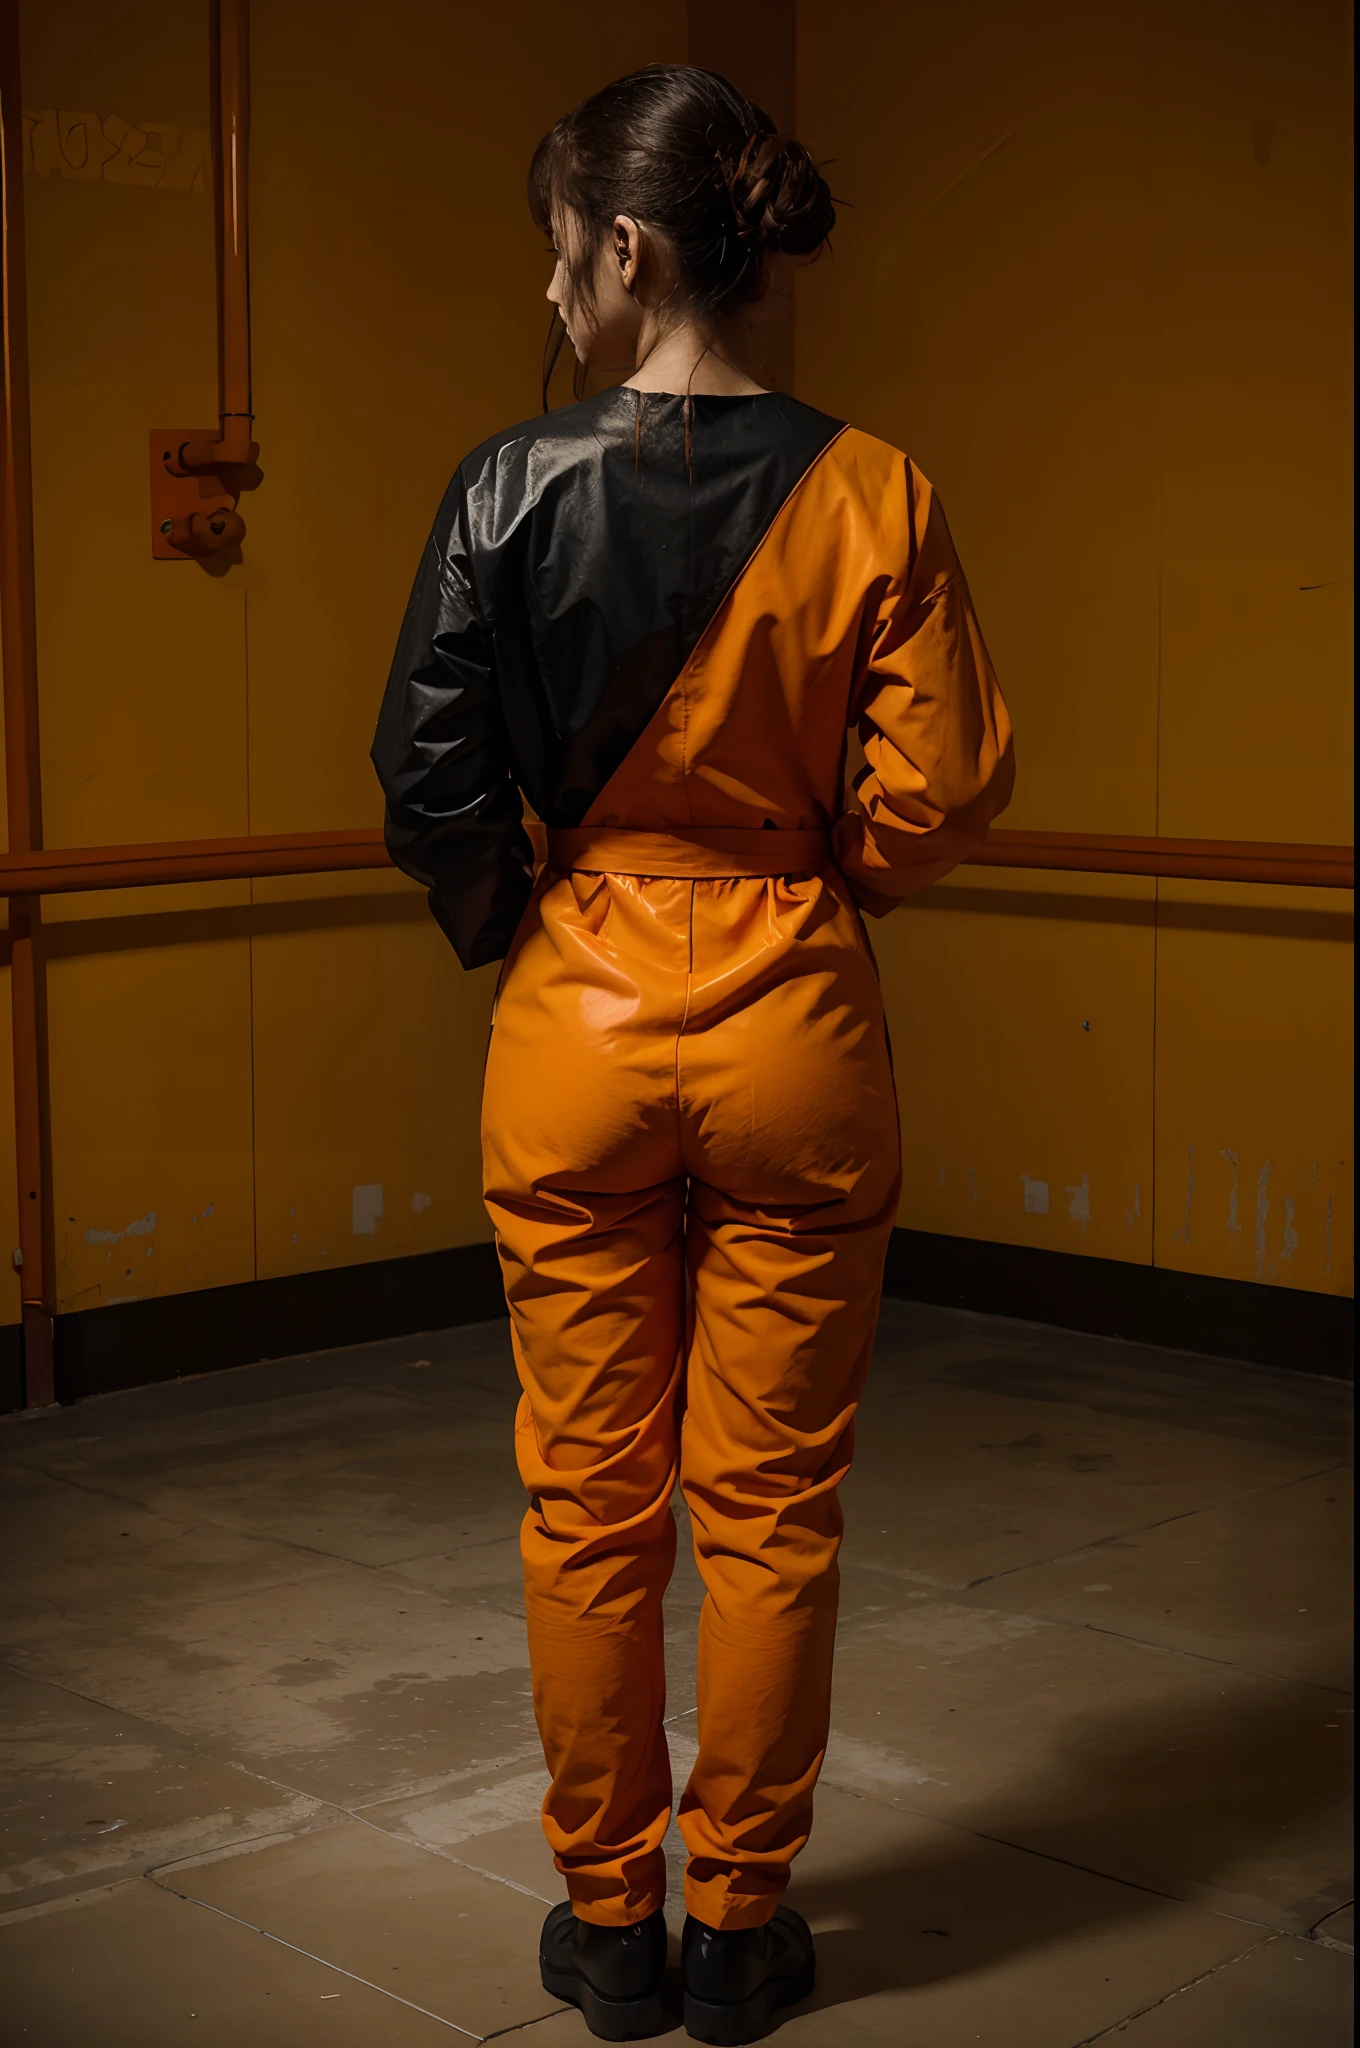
(100, 1350)
(11, 1367)
(1241, 1319)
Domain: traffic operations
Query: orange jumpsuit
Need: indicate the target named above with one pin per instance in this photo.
(690, 1144)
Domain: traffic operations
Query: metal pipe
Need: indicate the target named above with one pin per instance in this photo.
(23, 768)
(69, 870)
(231, 79)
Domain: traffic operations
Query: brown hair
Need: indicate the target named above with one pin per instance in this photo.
(683, 152)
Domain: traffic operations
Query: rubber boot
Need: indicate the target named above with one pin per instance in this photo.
(614, 1974)
(735, 1980)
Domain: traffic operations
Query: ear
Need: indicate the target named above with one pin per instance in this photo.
(625, 241)
(763, 278)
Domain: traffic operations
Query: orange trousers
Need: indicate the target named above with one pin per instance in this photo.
(690, 1143)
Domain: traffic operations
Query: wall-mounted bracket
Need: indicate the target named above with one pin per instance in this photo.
(193, 511)
(198, 473)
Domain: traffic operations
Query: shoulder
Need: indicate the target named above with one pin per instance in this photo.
(552, 436)
(887, 486)
(891, 504)
(877, 466)
(497, 487)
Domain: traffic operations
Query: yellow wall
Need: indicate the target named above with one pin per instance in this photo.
(1095, 278)
(1113, 336)
(236, 1062)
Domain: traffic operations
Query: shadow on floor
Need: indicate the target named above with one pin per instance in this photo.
(896, 1925)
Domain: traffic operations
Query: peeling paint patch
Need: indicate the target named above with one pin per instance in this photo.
(1079, 1208)
(1262, 1211)
(1234, 1227)
(1036, 1196)
(420, 1203)
(366, 1208)
(143, 1227)
(1131, 1215)
(1291, 1236)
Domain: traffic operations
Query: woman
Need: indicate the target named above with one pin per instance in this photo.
(654, 616)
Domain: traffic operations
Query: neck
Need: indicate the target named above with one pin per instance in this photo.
(692, 358)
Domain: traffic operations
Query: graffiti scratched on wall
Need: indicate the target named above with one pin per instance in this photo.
(105, 149)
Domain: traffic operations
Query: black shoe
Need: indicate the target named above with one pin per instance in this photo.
(735, 1980)
(614, 1974)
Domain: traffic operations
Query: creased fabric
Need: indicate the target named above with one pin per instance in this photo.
(689, 1129)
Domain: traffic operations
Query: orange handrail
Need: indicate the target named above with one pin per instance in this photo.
(1195, 860)
(67, 870)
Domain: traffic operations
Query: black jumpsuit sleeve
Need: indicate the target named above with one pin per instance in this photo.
(454, 815)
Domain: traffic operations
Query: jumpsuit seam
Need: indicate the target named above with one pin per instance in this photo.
(681, 679)
(684, 1020)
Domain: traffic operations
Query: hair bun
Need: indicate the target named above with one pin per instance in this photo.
(780, 197)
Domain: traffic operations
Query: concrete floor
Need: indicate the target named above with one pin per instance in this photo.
(266, 1675)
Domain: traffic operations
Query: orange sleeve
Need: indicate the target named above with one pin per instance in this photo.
(937, 739)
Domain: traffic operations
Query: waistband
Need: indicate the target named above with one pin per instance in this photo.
(697, 853)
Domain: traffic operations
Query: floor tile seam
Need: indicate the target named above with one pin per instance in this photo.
(319, 1800)
(504, 2033)
(361, 1819)
(1094, 1628)
(182, 1529)
(212, 1524)
(426, 1401)
(356, 1813)
(170, 1736)
(324, 1961)
(1270, 1929)
(64, 1902)
(222, 1851)
(482, 1543)
(1076, 1550)
(444, 1855)
(124, 1500)
(1022, 1848)
(1314, 1933)
(1162, 1522)
(239, 1845)
(103, 1880)
(1140, 2012)
(252, 1590)
(448, 1781)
